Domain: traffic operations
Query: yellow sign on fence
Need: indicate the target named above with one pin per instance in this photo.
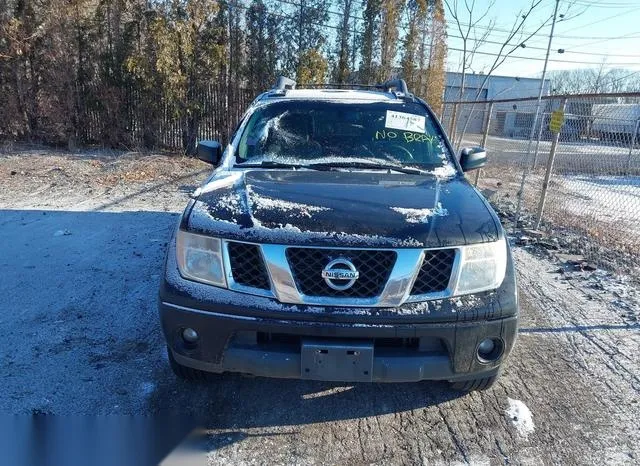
(557, 119)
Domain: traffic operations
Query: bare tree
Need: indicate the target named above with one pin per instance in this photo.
(515, 39)
(594, 80)
(470, 45)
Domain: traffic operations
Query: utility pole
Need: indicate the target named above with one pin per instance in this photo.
(525, 172)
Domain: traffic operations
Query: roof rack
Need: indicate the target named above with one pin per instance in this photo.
(283, 84)
(341, 86)
(399, 85)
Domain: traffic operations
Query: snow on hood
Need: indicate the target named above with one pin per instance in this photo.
(219, 182)
(346, 208)
(287, 208)
(421, 215)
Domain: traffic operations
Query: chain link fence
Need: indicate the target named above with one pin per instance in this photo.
(581, 183)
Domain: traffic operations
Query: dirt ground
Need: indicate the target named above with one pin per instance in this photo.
(83, 238)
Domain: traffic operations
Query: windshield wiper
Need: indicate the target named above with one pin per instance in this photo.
(373, 165)
(273, 164)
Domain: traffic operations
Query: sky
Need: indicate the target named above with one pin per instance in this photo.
(586, 34)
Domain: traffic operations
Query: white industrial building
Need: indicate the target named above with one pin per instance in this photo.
(512, 119)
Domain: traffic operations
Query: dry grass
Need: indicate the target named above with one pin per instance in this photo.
(23, 172)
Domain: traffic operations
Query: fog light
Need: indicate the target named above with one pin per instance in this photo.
(190, 335)
(486, 346)
(490, 349)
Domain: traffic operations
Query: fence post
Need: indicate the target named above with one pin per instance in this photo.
(485, 136)
(632, 145)
(547, 175)
(452, 123)
(537, 149)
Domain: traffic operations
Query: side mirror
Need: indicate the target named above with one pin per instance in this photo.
(472, 158)
(210, 151)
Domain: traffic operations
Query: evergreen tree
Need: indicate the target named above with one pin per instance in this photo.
(129, 72)
(344, 45)
(434, 81)
(312, 68)
(390, 14)
(304, 31)
(371, 18)
(412, 51)
(262, 50)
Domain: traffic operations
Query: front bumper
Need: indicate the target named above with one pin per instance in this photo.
(260, 336)
(229, 343)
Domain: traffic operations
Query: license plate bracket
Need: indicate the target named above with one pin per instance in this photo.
(348, 361)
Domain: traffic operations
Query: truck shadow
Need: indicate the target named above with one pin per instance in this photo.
(232, 401)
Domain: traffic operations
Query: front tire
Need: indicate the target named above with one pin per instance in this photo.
(187, 373)
(472, 385)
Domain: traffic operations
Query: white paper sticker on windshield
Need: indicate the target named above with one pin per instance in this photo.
(405, 121)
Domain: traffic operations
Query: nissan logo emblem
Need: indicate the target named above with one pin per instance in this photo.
(340, 274)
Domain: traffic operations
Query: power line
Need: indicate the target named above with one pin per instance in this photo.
(507, 31)
(542, 48)
(624, 77)
(603, 4)
(626, 36)
(329, 11)
(542, 59)
(604, 19)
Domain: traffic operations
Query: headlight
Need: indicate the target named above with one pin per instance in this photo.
(482, 267)
(200, 258)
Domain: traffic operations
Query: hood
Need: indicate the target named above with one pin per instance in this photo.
(342, 208)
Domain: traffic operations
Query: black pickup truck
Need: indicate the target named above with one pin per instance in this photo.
(338, 239)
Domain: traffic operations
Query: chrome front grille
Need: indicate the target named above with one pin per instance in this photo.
(387, 277)
(435, 271)
(374, 267)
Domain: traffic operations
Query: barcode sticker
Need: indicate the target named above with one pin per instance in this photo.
(405, 121)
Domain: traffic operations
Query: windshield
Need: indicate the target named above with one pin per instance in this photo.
(332, 132)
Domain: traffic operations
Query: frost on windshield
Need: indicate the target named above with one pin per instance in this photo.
(329, 132)
(285, 135)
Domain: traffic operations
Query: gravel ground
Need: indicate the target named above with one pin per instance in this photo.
(83, 237)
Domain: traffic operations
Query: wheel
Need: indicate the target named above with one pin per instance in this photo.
(484, 383)
(187, 373)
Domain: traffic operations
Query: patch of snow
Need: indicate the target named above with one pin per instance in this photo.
(230, 201)
(445, 171)
(147, 388)
(329, 392)
(610, 199)
(421, 215)
(287, 207)
(520, 416)
(222, 180)
(322, 160)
